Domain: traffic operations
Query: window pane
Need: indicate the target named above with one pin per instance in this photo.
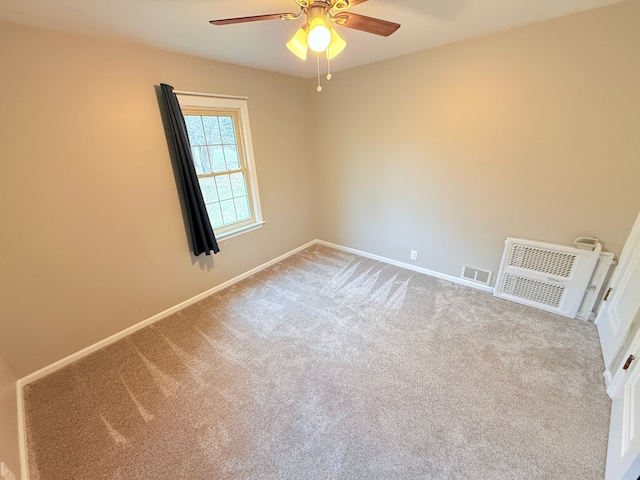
(211, 130)
(217, 158)
(228, 133)
(237, 184)
(194, 130)
(201, 160)
(216, 141)
(228, 211)
(231, 156)
(215, 215)
(224, 187)
(209, 192)
(242, 208)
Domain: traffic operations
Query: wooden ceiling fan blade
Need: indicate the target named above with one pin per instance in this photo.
(353, 3)
(366, 24)
(254, 18)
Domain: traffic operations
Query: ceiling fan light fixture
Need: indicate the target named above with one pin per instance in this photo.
(298, 44)
(337, 44)
(319, 37)
(318, 33)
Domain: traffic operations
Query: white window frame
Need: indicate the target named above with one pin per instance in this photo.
(199, 103)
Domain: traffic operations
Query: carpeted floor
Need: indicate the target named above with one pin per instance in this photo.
(331, 366)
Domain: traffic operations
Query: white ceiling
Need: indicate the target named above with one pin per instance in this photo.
(182, 25)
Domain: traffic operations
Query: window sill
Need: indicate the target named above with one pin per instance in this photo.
(239, 231)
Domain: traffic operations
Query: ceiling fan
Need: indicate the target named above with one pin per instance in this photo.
(318, 33)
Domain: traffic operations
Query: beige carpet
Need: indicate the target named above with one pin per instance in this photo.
(331, 366)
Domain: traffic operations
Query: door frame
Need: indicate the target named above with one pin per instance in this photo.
(618, 467)
(608, 327)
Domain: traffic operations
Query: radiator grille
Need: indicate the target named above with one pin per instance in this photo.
(533, 290)
(542, 260)
(546, 275)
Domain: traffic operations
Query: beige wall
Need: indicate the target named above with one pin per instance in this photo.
(93, 237)
(9, 450)
(532, 132)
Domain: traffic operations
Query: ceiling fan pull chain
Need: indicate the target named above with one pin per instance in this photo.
(319, 89)
(328, 66)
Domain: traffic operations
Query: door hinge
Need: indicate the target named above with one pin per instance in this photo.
(628, 362)
(606, 295)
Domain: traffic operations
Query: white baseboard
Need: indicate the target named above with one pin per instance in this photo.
(138, 326)
(608, 382)
(22, 434)
(20, 384)
(408, 266)
(134, 328)
(32, 377)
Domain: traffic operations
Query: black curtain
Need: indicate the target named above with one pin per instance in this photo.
(202, 237)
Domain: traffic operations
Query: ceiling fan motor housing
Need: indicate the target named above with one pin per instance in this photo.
(317, 11)
(327, 4)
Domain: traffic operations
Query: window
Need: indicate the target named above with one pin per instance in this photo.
(220, 139)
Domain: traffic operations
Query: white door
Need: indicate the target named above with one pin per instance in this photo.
(623, 456)
(618, 324)
(616, 314)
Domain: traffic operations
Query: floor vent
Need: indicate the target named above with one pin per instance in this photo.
(476, 274)
(551, 277)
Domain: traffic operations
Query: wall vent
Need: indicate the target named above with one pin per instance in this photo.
(547, 276)
(476, 274)
(533, 290)
(542, 260)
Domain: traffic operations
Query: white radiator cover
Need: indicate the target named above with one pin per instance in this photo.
(547, 276)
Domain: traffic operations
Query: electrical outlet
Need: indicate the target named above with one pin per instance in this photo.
(6, 473)
(414, 255)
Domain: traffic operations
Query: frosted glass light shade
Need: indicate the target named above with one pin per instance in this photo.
(298, 44)
(337, 44)
(319, 36)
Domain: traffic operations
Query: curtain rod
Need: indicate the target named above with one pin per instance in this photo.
(198, 94)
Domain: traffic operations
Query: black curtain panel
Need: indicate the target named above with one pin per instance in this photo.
(202, 236)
